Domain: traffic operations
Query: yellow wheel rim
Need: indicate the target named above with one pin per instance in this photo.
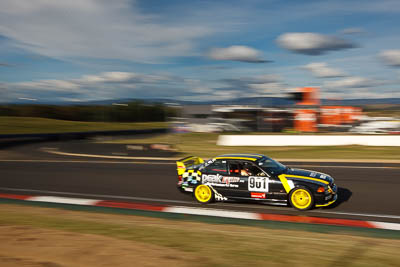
(301, 199)
(203, 193)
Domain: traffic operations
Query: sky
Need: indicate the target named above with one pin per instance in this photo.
(81, 50)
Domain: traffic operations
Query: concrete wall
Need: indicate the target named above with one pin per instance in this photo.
(308, 140)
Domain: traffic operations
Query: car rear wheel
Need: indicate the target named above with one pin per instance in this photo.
(203, 194)
(301, 198)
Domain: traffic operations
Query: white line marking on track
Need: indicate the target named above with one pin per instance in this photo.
(64, 200)
(358, 214)
(385, 225)
(105, 156)
(85, 161)
(95, 195)
(214, 212)
(190, 202)
(173, 159)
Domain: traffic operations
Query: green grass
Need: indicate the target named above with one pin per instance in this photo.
(204, 145)
(220, 245)
(28, 125)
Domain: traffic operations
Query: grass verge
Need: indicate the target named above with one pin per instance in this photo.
(204, 145)
(217, 244)
(28, 125)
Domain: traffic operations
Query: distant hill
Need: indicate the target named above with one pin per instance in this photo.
(360, 102)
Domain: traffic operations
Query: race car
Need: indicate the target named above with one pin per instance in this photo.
(254, 177)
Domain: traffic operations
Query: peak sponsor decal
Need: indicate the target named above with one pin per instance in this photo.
(258, 195)
(222, 181)
(228, 180)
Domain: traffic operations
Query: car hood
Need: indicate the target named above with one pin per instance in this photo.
(310, 174)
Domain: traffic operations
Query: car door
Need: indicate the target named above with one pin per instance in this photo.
(239, 178)
(258, 185)
(227, 181)
(275, 189)
(262, 184)
(212, 174)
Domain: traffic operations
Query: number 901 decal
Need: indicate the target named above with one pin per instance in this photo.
(259, 184)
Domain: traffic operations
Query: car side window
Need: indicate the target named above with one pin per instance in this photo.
(253, 170)
(234, 168)
(218, 166)
(244, 168)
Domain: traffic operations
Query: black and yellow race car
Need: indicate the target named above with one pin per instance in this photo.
(254, 177)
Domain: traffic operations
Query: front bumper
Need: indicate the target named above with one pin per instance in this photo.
(328, 199)
(329, 203)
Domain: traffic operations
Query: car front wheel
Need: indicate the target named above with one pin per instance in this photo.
(301, 198)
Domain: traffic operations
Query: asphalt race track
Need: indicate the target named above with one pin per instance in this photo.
(366, 191)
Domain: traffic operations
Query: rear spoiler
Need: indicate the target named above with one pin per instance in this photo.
(184, 163)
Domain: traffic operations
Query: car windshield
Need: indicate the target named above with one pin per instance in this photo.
(272, 166)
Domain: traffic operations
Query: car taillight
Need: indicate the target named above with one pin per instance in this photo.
(321, 189)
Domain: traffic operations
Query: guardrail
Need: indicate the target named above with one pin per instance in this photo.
(308, 140)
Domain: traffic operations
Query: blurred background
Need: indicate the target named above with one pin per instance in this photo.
(301, 111)
(98, 99)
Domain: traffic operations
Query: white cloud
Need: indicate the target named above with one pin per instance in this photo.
(49, 85)
(110, 85)
(391, 57)
(106, 85)
(108, 77)
(4, 64)
(97, 29)
(354, 30)
(267, 78)
(202, 90)
(312, 43)
(321, 70)
(267, 85)
(237, 53)
(360, 93)
(261, 85)
(269, 89)
(122, 77)
(352, 82)
(226, 95)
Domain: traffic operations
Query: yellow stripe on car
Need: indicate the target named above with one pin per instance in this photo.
(285, 183)
(304, 177)
(253, 159)
(180, 167)
(327, 204)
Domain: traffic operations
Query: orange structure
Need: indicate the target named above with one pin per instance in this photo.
(311, 113)
(337, 115)
(331, 115)
(351, 114)
(309, 96)
(305, 120)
